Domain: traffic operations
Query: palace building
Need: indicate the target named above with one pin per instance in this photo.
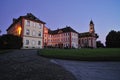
(30, 28)
(61, 38)
(35, 34)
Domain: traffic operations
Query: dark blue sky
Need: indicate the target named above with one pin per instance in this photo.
(59, 13)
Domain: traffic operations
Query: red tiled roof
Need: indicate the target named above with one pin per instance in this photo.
(63, 30)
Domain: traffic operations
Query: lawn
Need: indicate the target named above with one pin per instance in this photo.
(4, 51)
(104, 54)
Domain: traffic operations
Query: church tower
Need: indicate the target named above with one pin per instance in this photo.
(91, 27)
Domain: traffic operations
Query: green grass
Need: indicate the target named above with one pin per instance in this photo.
(82, 54)
(4, 51)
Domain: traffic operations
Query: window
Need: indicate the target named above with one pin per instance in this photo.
(68, 38)
(45, 35)
(33, 33)
(27, 42)
(28, 23)
(39, 42)
(27, 32)
(67, 34)
(33, 42)
(39, 34)
(40, 25)
(45, 40)
(34, 24)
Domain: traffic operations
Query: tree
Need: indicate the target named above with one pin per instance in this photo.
(10, 42)
(0, 31)
(113, 39)
(99, 44)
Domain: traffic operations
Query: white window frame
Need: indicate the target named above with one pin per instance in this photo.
(40, 34)
(39, 42)
(33, 33)
(33, 42)
(40, 26)
(27, 42)
(28, 23)
(27, 32)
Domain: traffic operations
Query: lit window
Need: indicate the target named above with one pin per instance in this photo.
(39, 42)
(19, 30)
(27, 42)
(28, 23)
(27, 32)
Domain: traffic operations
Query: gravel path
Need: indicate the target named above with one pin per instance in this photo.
(84, 70)
(26, 65)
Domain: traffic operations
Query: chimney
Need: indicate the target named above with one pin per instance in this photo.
(14, 19)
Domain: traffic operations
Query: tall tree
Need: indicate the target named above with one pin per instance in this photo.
(113, 39)
(0, 31)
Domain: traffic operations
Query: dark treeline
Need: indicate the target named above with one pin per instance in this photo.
(99, 44)
(113, 39)
(10, 42)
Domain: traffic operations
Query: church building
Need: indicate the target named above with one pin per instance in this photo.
(88, 39)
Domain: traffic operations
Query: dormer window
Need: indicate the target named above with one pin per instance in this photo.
(60, 31)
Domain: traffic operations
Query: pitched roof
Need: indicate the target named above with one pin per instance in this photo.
(29, 16)
(87, 34)
(62, 30)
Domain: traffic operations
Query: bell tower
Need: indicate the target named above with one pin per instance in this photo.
(91, 27)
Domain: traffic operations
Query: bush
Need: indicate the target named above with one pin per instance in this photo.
(9, 41)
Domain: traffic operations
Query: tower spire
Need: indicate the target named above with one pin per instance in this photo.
(91, 27)
(91, 22)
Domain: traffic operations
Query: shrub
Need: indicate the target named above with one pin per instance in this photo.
(9, 41)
